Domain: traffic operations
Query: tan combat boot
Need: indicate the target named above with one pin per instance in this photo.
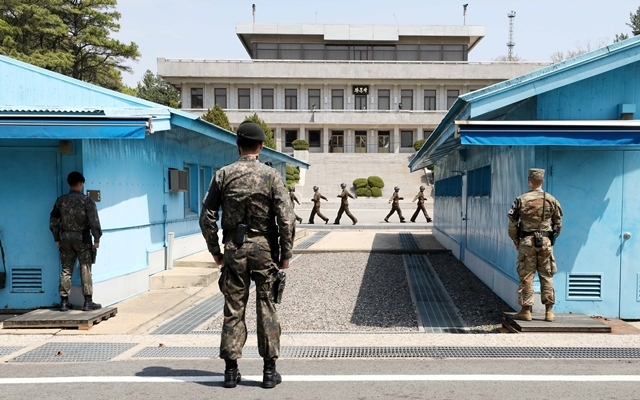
(524, 314)
(548, 315)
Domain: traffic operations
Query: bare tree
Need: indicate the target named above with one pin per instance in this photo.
(581, 48)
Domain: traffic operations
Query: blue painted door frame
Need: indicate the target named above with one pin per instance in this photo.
(630, 238)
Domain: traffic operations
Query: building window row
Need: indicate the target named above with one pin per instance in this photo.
(400, 52)
(315, 99)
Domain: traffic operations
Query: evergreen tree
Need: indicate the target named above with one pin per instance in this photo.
(270, 142)
(71, 37)
(217, 116)
(154, 88)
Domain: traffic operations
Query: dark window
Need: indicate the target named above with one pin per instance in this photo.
(384, 99)
(449, 187)
(337, 99)
(314, 139)
(360, 52)
(431, 52)
(291, 99)
(221, 97)
(290, 51)
(337, 52)
(406, 139)
(452, 96)
(361, 101)
(314, 99)
(197, 98)
(429, 99)
(267, 99)
(384, 53)
(479, 182)
(289, 137)
(268, 51)
(454, 52)
(244, 99)
(406, 99)
(313, 51)
(408, 52)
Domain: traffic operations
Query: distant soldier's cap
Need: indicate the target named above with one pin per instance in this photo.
(315, 188)
(422, 188)
(396, 188)
(344, 185)
(291, 188)
(251, 130)
(536, 173)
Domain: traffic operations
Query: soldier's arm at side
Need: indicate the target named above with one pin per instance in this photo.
(54, 223)
(514, 217)
(296, 199)
(284, 217)
(556, 218)
(209, 217)
(349, 194)
(94, 222)
(322, 197)
(416, 197)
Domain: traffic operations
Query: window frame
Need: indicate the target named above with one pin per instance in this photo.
(335, 97)
(196, 95)
(387, 97)
(246, 96)
(290, 99)
(222, 94)
(314, 143)
(265, 95)
(430, 102)
(404, 144)
(311, 99)
(287, 132)
(404, 95)
(450, 99)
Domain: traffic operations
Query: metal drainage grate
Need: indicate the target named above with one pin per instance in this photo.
(437, 313)
(408, 242)
(404, 352)
(5, 351)
(192, 317)
(218, 332)
(305, 244)
(74, 352)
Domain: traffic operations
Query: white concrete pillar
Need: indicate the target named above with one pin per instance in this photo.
(278, 138)
(373, 102)
(326, 98)
(395, 98)
(185, 95)
(303, 98)
(325, 138)
(395, 142)
(419, 103)
(302, 133)
(232, 97)
(420, 134)
(256, 97)
(441, 98)
(278, 94)
(465, 89)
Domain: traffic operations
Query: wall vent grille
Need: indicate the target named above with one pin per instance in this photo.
(585, 286)
(26, 280)
(178, 180)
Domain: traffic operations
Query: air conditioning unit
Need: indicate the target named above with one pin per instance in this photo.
(178, 180)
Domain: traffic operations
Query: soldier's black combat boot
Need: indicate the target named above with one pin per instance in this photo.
(89, 305)
(64, 304)
(429, 219)
(270, 377)
(232, 374)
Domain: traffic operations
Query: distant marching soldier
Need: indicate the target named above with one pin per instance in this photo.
(294, 200)
(395, 206)
(316, 206)
(344, 205)
(420, 198)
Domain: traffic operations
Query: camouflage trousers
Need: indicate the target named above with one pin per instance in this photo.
(344, 208)
(420, 208)
(314, 211)
(251, 261)
(70, 250)
(395, 208)
(530, 260)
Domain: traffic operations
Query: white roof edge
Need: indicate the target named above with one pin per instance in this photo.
(320, 29)
(629, 123)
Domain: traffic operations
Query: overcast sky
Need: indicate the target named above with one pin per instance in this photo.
(205, 29)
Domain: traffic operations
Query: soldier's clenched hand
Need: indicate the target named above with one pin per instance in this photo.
(284, 264)
(218, 258)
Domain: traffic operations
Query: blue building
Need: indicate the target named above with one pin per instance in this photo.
(148, 167)
(576, 119)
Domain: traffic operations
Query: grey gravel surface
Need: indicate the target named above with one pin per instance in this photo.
(479, 307)
(342, 292)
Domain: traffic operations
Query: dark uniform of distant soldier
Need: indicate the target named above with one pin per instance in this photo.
(316, 206)
(395, 206)
(294, 200)
(74, 219)
(254, 200)
(535, 220)
(344, 205)
(420, 198)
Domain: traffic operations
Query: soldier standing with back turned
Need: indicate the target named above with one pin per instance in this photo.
(294, 200)
(535, 220)
(254, 206)
(316, 206)
(395, 206)
(420, 198)
(344, 205)
(73, 220)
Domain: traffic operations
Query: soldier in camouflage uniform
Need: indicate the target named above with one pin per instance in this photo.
(395, 206)
(294, 200)
(316, 206)
(420, 198)
(73, 220)
(252, 196)
(535, 214)
(344, 205)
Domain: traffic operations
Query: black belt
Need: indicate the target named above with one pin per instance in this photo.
(546, 234)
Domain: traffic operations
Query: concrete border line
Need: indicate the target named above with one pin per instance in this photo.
(447, 297)
(386, 251)
(128, 355)
(413, 298)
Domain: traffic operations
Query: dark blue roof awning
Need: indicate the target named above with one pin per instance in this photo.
(72, 127)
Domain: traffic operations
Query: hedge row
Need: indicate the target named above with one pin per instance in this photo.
(369, 187)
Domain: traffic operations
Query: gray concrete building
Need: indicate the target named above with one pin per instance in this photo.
(343, 88)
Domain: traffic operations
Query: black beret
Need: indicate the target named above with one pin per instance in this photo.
(74, 177)
(252, 131)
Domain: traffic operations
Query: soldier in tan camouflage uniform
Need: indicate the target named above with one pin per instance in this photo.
(344, 205)
(538, 214)
(73, 220)
(395, 206)
(252, 196)
(294, 200)
(316, 206)
(420, 198)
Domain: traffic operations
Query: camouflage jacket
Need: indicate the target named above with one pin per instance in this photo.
(395, 197)
(249, 193)
(73, 213)
(294, 199)
(316, 197)
(345, 197)
(419, 197)
(527, 209)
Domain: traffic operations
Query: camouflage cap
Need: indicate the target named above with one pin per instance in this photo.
(251, 130)
(536, 173)
(343, 185)
(315, 188)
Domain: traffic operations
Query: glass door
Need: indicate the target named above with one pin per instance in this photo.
(384, 141)
(361, 141)
(336, 144)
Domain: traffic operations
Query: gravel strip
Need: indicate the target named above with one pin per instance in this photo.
(479, 307)
(342, 292)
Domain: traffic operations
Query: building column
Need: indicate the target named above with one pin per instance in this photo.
(302, 133)
(185, 95)
(325, 139)
(326, 98)
(441, 98)
(395, 98)
(278, 97)
(232, 97)
(373, 104)
(372, 143)
(419, 104)
(465, 89)
(395, 142)
(278, 138)
(348, 94)
(420, 134)
(303, 101)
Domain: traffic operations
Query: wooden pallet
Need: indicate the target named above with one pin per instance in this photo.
(51, 318)
(563, 323)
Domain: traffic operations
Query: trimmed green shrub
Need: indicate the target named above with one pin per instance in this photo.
(291, 169)
(375, 181)
(300, 144)
(364, 192)
(376, 192)
(418, 144)
(360, 183)
(293, 174)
